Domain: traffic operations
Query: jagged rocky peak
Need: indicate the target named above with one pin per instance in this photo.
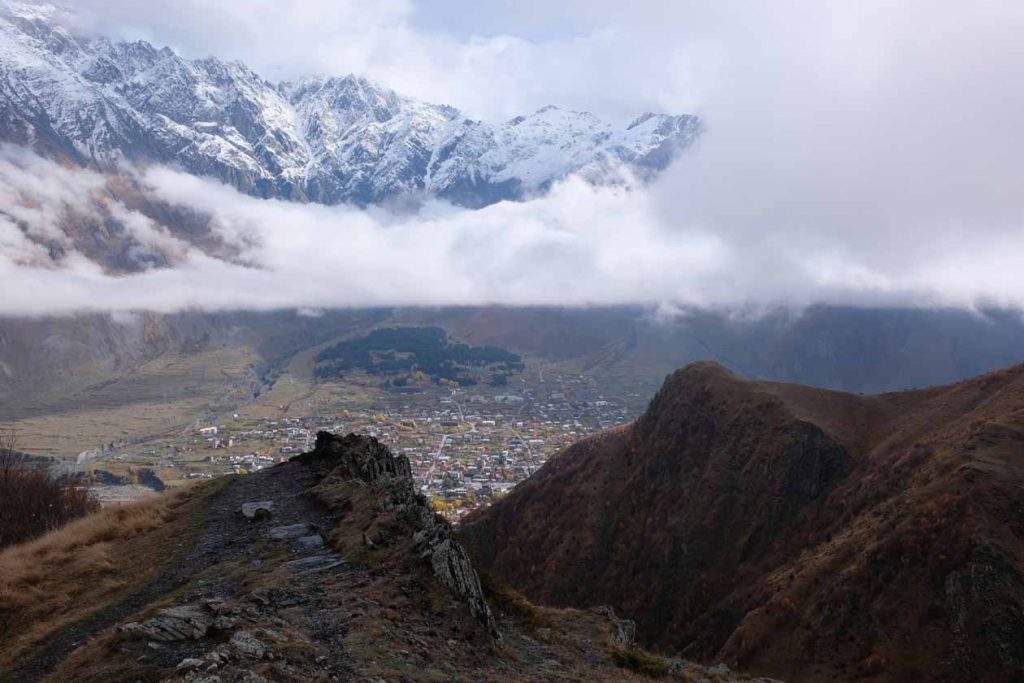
(355, 96)
(360, 457)
(325, 139)
(795, 459)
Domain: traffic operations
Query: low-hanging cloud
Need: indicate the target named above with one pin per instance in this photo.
(857, 153)
(578, 245)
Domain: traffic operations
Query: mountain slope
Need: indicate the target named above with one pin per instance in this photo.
(325, 140)
(343, 574)
(789, 531)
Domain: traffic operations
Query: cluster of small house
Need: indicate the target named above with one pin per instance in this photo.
(466, 448)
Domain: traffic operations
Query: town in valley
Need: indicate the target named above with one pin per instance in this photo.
(468, 446)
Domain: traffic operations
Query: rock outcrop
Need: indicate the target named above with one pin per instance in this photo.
(366, 460)
(624, 629)
(185, 622)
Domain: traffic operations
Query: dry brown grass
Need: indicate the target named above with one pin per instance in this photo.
(89, 564)
(101, 660)
(510, 603)
(640, 662)
(354, 503)
(143, 402)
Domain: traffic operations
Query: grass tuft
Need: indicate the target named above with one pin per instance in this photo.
(512, 603)
(638, 661)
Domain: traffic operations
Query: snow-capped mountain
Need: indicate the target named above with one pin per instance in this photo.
(329, 140)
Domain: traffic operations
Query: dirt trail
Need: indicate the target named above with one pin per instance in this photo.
(224, 536)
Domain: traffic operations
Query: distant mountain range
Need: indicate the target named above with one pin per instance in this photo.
(325, 140)
(793, 532)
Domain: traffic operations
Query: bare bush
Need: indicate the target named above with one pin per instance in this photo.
(31, 501)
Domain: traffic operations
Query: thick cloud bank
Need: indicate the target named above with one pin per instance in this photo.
(578, 245)
(861, 152)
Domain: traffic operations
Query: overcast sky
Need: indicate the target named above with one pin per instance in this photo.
(867, 151)
(494, 58)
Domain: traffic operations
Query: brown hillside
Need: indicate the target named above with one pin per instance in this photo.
(789, 531)
(329, 567)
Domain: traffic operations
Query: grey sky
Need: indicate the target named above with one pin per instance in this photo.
(495, 59)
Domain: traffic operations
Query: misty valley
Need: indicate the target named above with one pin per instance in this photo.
(420, 341)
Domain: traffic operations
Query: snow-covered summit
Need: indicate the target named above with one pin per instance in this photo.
(320, 139)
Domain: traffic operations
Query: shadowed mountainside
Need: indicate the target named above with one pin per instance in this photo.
(790, 531)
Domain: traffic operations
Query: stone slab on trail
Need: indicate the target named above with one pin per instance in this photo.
(314, 563)
(185, 622)
(311, 542)
(280, 533)
(257, 509)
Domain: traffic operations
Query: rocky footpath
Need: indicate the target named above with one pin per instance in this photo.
(255, 610)
(329, 567)
(221, 637)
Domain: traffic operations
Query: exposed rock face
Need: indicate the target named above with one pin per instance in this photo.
(314, 563)
(314, 541)
(185, 622)
(625, 629)
(246, 644)
(451, 564)
(363, 458)
(777, 527)
(189, 664)
(367, 460)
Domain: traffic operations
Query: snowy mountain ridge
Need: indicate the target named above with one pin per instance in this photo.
(325, 140)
